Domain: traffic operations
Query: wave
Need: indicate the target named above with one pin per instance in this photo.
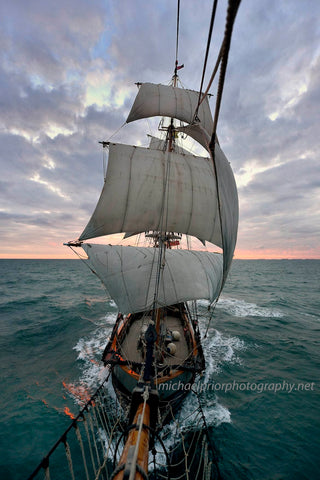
(220, 349)
(240, 308)
(90, 351)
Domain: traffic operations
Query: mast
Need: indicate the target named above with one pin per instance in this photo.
(162, 240)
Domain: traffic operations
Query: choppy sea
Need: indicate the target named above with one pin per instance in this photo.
(262, 402)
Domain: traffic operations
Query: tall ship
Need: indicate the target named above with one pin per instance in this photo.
(174, 210)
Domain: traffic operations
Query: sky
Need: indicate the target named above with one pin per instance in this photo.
(67, 81)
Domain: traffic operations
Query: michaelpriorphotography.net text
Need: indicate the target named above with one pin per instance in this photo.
(258, 387)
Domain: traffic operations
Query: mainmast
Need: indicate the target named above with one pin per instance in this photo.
(162, 238)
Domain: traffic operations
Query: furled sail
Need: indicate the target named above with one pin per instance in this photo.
(168, 101)
(147, 189)
(129, 275)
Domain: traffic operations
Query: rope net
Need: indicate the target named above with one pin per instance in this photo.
(91, 447)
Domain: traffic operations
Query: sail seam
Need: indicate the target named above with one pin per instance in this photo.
(192, 194)
(195, 254)
(159, 98)
(122, 274)
(128, 191)
(216, 215)
(173, 283)
(176, 102)
(146, 302)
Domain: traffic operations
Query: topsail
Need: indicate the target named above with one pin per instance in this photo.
(169, 101)
(149, 189)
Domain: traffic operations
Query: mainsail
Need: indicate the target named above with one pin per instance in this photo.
(163, 190)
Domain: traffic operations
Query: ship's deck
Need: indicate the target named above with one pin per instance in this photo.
(129, 345)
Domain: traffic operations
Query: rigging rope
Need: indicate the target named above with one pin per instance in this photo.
(69, 458)
(177, 38)
(231, 16)
(188, 457)
(78, 433)
(222, 58)
(213, 14)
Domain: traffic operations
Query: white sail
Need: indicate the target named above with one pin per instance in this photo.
(168, 101)
(129, 275)
(227, 190)
(157, 143)
(148, 189)
(198, 133)
(229, 207)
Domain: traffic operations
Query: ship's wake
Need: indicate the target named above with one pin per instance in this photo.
(219, 350)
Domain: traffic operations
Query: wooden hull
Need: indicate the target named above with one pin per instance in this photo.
(177, 356)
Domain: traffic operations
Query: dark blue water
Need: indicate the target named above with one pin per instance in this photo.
(262, 350)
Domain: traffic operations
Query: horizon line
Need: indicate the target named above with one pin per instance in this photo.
(235, 258)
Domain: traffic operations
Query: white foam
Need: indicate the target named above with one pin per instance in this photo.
(90, 350)
(240, 308)
(218, 349)
(216, 413)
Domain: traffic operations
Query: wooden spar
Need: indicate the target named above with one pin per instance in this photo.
(158, 317)
(137, 438)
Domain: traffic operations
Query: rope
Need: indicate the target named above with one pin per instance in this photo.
(78, 433)
(47, 473)
(213, 74)
(45, 462)
(233, 6)
(231, 16)
(211, 316)
(97, 427)
(207, 434)
(69, 458)
(208, 472)
(177, 37)
(85, 423)
(183, 446)
(94, 437)
(108, 427)
(103, 465)
(213, 14)
(114, 133)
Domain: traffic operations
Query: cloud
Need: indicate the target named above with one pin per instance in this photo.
(67, 73)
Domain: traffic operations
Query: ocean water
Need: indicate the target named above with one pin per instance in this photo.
(261, 397)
